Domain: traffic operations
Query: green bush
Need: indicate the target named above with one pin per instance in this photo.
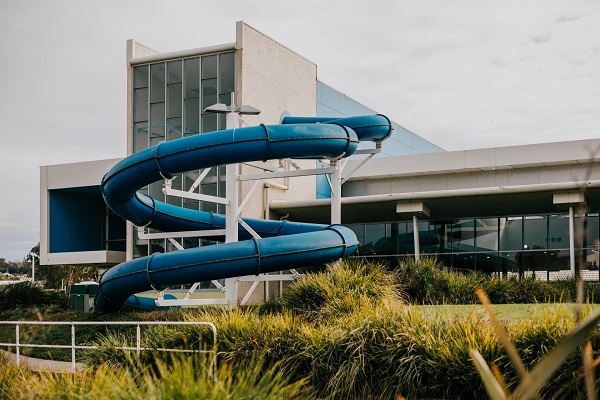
(344, 287)
(426, 282)
(26, 295)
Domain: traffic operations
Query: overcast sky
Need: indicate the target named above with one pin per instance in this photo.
(462, 74)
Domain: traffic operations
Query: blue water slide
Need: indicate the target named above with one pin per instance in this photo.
(296, 137)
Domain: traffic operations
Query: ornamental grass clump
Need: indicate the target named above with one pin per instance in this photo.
(175, 378)
(427, 282)
(344, 287)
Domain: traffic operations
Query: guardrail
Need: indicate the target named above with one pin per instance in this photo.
(73, 346)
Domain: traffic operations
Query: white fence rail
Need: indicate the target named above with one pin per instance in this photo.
(73, 346)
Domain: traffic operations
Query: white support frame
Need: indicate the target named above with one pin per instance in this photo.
(233, 212)
(286, 174)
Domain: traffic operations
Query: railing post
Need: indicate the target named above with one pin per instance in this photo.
(73, 348)
(18, 342)
(138, 338)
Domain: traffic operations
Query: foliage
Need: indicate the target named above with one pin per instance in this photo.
(426, 282)
(344, 334)
(177, 378)
(562, 339)
(57, 276)
(344, 287)
(26, 295)
(60, 276)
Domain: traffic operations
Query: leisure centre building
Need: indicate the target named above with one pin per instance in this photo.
(508, 211)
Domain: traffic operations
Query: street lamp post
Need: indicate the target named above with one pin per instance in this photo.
(232, 113)
(32, 267)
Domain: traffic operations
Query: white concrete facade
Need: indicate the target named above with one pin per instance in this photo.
(478, 180)
(69, 176)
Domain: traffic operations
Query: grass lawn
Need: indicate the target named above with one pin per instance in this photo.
(505, 312)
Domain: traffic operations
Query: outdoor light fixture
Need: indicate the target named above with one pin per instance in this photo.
(221, 108)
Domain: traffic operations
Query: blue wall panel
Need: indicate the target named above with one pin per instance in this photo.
(76, 220)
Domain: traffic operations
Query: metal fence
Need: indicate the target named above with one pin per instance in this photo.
(138, 347)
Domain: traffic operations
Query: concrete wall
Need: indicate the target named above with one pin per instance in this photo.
(273, 79)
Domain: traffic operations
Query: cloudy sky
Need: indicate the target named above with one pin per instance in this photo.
(462, 74)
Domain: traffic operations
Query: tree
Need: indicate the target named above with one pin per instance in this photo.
(55, 276)
(34, 254)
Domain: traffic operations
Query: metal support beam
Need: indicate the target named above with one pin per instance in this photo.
(175, 243)
(190, 302)
(364, 161)
(269, 278)
(249, 229)
(193, 196)
(285, 174)
(197, 182)
(182, 234)
(250, 291)
(248, 197)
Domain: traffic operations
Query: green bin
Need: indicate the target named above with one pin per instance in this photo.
(83, 296)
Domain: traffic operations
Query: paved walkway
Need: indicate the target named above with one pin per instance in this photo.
(38, 364)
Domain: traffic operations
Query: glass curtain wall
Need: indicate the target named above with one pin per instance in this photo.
(168, 102)
(520, 246)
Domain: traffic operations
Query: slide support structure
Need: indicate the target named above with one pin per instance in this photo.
(264, 246)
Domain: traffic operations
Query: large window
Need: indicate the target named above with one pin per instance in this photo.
(531, 245)
(168, 102)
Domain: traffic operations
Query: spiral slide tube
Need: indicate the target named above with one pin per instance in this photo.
(296, 137)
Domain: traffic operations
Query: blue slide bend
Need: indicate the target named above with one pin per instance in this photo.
(296, 137)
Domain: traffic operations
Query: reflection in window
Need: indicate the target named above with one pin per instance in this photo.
(440, 240)
(140, 77)
(591, 231)
(192, 78)
(209, 67)
(558, 231)
(535, 232)
(463, 236)
(486, 230)
(157, 83)
(374, 239)
(511, 233)
(226, 73)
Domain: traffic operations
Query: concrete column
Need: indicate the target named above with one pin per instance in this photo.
(336, 194)
(416, 236)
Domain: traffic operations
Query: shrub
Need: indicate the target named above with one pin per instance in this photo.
(423, 281)
(344, 287)
(426, 282)
(26, 295)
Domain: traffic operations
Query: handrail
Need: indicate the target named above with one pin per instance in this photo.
(73, 346)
